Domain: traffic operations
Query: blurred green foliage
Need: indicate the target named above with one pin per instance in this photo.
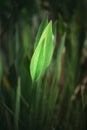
(47, 104)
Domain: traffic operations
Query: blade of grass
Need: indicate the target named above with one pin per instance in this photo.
(17, 106)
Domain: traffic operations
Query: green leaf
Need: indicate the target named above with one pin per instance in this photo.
(43, 53)
(61, 46)
(55, 28)
(40, 31)
(17, 105)
(26, 37)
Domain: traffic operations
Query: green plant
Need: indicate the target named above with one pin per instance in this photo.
(31, 96)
